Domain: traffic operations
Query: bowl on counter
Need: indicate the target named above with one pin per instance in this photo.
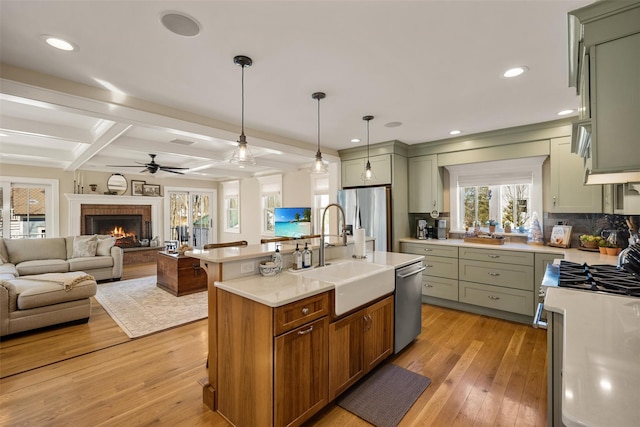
(268, 268)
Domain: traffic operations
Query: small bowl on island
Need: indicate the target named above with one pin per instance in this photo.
(268, 268)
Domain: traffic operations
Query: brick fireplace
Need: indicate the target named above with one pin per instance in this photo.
(146, 212)
(129, 224)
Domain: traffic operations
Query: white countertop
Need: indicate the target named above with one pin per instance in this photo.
(570, 254)
(601, 363)
(288, 287)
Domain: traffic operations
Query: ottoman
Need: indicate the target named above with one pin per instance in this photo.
(31, 302)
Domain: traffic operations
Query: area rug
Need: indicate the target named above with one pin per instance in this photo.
(384, 397)
(140, 308)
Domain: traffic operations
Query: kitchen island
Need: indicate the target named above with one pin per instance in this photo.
(278, 352)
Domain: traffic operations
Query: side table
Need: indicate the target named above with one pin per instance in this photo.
(180, 274)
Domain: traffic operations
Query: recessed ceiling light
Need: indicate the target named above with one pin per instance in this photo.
(180, 24)
(355, 140)
(455, 132)
(393, 124)
(59, 43)
(515, 71)
(565, 112)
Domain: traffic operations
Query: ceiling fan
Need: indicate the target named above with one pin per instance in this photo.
(152, 167)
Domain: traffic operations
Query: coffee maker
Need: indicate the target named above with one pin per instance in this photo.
(421, 229)
(441, 229)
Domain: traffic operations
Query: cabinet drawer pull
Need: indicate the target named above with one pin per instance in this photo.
(306, 331)
(491, 297)
(305, 311)
(493, 274)
(493, 256)
(428, 265)
(428, 250)
(426, 285)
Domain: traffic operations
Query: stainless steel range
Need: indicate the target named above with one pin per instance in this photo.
(602, 278)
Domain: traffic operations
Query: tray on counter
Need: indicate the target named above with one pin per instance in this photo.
(484, 241)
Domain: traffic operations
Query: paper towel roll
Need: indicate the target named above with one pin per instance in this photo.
(359, 248)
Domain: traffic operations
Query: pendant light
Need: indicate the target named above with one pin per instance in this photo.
(368, 174)
(319, 166)
(242, 155)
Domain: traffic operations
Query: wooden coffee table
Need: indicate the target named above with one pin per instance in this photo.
(180, 274)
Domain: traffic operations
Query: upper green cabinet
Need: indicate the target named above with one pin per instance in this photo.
(615, 104)
(352, 171)
(568, 193)
(604, 66)
(425, 184)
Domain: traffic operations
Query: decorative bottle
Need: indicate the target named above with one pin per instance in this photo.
(297, 258)
(277, 259)
(306, 256)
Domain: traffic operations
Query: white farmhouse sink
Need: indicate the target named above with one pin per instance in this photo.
(356, 282)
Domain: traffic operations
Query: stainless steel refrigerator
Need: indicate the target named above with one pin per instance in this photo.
(369, 208)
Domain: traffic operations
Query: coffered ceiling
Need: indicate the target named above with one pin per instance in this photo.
(133, 87)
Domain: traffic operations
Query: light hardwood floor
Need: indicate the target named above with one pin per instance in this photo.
(484, 372)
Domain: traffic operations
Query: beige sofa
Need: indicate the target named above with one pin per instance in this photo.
(21, 257)
(50, 281)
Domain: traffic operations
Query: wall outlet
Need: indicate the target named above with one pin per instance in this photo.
(247, 267)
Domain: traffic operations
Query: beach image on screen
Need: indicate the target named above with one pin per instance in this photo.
(292, 222)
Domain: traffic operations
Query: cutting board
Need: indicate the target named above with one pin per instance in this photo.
(484, 241)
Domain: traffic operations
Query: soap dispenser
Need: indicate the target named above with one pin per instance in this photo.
(277, 259)
(297, 258)
(306, 256)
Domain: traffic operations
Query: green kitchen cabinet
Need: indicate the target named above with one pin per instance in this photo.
(568, 193)
(425, 184)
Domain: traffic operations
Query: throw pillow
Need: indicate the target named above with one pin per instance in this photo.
(84, 246)
(105, 245)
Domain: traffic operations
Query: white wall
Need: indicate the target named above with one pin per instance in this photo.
(296, 191)
(65, 180)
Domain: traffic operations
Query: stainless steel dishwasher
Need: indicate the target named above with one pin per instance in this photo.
(408, 305)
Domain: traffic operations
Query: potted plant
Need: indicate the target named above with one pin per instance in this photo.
(507, 227)
(492, 225)
(602, 245)
(589, 241)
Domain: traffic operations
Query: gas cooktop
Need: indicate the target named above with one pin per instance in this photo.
(603, 278)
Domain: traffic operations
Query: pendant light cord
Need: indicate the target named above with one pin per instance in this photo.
(242, 86)
(318, 125)
(368, 140)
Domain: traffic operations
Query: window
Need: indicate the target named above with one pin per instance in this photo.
(191, 216)
(500, 203)
(231, 193)
(320, 201)
(270, 194)
(505, 190)
(28, 207)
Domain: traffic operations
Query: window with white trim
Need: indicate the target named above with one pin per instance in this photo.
(231, 195)
(501, 191)
(271, 197)
(28, 207)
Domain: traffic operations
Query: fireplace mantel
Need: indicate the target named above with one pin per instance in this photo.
(77, 200)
